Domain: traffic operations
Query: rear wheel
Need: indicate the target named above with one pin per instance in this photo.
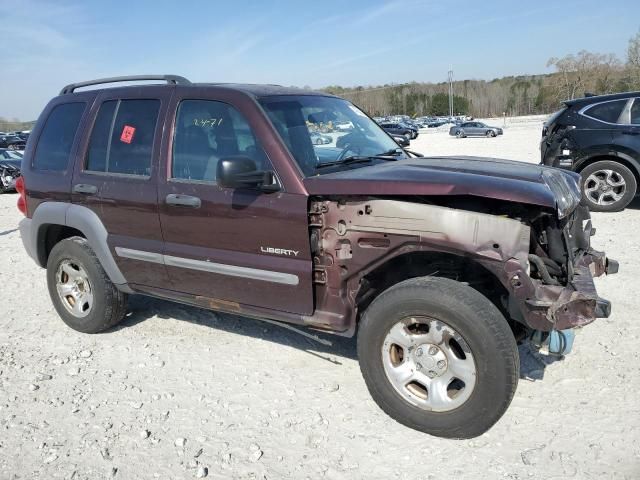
(460, 134)
(439, 357)
(608, 186)
(80, 289)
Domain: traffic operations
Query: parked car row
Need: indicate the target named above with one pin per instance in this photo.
(12, 142)
(422, 122)
(10, 165)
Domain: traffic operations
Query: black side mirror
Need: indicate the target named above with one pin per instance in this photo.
(242, 172)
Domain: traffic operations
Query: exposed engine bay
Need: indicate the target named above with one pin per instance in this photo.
(536, 267)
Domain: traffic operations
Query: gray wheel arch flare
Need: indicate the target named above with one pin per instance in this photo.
(82, 219)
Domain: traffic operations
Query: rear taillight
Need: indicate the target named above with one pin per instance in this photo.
(22, 199)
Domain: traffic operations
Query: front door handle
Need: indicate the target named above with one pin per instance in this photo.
(183, 200)
(85, 189)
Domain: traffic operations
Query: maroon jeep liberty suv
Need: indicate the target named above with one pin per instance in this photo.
(215, 195)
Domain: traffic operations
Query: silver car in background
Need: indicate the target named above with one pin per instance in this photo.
(474, 129)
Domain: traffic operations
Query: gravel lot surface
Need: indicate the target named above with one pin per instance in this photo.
(179, 392)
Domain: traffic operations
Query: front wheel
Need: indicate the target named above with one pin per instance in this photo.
(438, 357)
(491, 133)
(407, 136)
(608, 186)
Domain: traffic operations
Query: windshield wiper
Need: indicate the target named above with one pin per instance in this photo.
(356, 159)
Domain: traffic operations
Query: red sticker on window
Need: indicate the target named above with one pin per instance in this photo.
(127, 134)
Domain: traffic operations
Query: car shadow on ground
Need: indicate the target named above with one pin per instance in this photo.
(141, 308)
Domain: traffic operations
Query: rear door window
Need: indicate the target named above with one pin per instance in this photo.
(606, 112)
(55, 143)
(122, 137)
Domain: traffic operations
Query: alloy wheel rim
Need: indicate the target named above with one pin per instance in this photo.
(429, 364)
(74, 288)
(605, 187)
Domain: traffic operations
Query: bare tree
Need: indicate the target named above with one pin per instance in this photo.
(633, 61)
(584, 71)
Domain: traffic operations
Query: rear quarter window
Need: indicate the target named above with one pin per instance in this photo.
(606, 112)
(54, 145)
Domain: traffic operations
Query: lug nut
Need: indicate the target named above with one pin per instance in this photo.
(418, 366)
(441, 364)
(419, 352)
(433, 351)
(431, 374)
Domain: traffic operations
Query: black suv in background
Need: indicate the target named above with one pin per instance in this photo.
(401, 129)
(598, 137)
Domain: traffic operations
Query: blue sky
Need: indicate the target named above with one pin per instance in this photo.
(348, 42)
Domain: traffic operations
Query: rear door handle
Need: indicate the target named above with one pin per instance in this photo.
(631, 132)
(85, 189)
(183, 200)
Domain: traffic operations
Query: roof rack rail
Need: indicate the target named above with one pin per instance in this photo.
(174, 79)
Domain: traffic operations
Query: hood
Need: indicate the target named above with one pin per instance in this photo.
(482, 177)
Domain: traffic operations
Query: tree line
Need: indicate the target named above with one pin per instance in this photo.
(574, 75)
(14, 125)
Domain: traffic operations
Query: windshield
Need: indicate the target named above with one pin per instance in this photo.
(320, 130)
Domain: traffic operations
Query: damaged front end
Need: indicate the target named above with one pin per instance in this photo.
(535, 264)
(560, 293)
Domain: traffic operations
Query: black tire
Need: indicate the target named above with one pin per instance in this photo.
(108, 304)
(460, 134)
(482, 327)
(619, 171)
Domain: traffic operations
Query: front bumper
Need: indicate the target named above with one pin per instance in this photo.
(574, 305)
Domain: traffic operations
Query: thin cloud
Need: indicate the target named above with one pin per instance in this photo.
(355, 58)
(377, 12)
(396, 6)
